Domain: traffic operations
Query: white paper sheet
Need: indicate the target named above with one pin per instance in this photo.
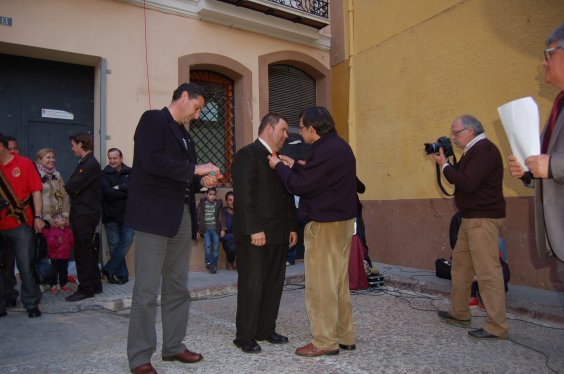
(520, 119)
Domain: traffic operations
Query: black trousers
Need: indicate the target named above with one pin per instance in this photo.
(61, 267)
(86, 257)
(261, 272)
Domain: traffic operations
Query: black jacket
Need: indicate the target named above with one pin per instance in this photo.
(85, 190)
(164, 161)
(114, 199)
(261, 201)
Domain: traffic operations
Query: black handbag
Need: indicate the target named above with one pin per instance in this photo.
(442, 268)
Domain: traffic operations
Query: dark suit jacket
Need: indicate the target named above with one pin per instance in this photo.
(85, 190)
(164, 161)
(549, 199)
(261, 201)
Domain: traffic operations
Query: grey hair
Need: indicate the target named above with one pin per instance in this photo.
(470, 122)
(556, 35)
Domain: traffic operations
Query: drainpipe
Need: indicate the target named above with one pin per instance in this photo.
(352, 103)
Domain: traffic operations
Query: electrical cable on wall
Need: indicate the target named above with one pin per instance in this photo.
(146, 52)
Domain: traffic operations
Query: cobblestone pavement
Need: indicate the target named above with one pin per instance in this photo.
(397, 330)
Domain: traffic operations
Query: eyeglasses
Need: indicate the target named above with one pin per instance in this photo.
(456, 132)
(550, 51)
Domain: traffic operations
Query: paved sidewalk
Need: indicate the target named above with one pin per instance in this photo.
(396, 325)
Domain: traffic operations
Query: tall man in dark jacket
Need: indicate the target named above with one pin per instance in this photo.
(478, 180)
(326, 184)
(85, 190)
(161, 208)
(115, 184)
(264, 228)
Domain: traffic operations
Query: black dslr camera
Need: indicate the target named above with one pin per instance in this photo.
(442, 142)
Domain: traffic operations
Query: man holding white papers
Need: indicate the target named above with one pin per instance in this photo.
(548, 167)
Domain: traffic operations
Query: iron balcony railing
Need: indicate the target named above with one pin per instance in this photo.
(318, 8)
(313, 13)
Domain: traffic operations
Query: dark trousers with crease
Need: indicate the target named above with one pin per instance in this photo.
(261, 272)
(86, 257)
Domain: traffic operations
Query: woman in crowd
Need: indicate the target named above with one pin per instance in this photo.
(55, 198)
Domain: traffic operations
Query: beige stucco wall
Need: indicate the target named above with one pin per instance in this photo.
(86, 31)
(418, 64)
(115, 31)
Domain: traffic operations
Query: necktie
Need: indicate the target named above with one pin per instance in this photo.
(556, 107)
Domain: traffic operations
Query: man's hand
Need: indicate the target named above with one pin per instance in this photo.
(538, 165)
(38, 225)
(258, 239)
(205, 169)
(198, 236)
(273, 161)
(439, 157)
(515, 168)
(287, 160)
(222, 233)
(293, 238)
(211, 180)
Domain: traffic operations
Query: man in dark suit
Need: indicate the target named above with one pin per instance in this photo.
(161, 208)
(264, 228)
(85, 190)
(548, 167)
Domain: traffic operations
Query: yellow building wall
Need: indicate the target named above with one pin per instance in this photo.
(418, 64)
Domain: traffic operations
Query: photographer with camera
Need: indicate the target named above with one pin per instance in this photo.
(477, 178)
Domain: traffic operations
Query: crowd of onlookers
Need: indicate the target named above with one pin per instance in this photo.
(42, 215)
(69, 215)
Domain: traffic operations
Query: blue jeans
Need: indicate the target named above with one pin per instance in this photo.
(23, 243)
(211, 246)
(230, 249)
(119, 238)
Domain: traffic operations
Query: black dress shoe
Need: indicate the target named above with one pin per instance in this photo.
(347, 347)
(276, 338)
(482, 334)
(11, 302)
(247, 346)
(450, 320)
(3, 314)
(78, 296)
(33, 313)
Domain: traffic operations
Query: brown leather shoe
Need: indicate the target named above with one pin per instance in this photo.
(144, 369)
(311, 350)
(187, 357)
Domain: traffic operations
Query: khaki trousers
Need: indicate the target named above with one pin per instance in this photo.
(327, 297)
(477, 252)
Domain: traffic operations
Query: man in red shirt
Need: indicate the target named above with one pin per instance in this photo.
(19, 184)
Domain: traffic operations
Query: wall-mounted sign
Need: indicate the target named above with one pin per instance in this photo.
(54, 113)
(6, 21)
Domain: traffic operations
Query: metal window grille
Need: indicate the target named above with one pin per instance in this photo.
(290, 91)
(214, 131)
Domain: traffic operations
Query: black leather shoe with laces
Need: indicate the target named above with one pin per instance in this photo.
(33, 313)
(276, 338)
(248, 346)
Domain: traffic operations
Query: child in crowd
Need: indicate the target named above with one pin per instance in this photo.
(59, 244)
(210, 226)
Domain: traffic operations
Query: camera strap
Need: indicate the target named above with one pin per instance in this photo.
(438, 169)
